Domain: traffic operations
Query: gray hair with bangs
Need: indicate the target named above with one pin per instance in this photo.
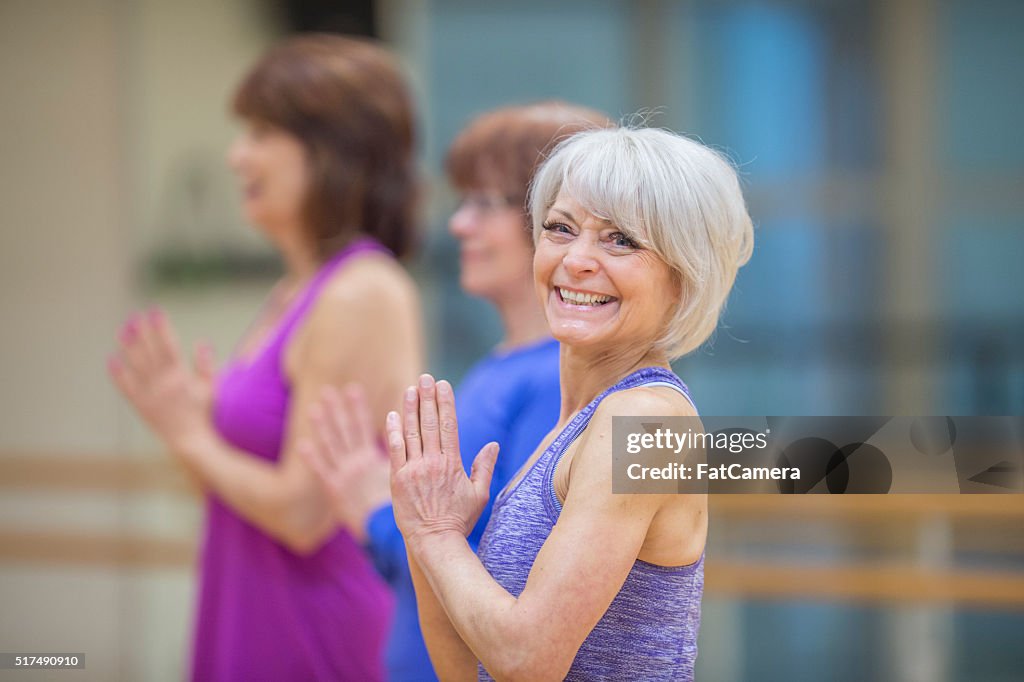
(669, 194)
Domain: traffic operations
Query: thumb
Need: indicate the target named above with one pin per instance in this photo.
(203, 360)
(483, 469)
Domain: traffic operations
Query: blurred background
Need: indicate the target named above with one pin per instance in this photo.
(880, 147)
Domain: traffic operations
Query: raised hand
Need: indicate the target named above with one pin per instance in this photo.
(347, 458)
(429, 487)
(172, 398)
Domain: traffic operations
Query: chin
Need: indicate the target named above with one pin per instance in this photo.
(575, 336)
(255, 217)
(475, 286)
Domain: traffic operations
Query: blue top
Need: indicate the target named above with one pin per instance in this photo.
(512, 398)
(649, 631)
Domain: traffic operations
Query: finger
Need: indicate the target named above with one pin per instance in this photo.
(429, 421)
(363, 434)
(483, 469)
(323, 439)
(147, 335)
(122, 377)
(314, 460)
(163, 338)
(411, 424)
(203, 361)
(133, 349)
(396, 441)
(449, 423)
(339, 419)
(325, 423)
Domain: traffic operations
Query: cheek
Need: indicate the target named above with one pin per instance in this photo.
(544, 261)
(519, 254)
(291, 169)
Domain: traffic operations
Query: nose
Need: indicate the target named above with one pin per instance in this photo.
(580, 257)
(462, 222)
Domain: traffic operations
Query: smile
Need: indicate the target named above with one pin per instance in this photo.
(582, 298)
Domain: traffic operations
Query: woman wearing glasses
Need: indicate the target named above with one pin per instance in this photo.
(511, 395)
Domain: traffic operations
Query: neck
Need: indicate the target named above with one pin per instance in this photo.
(301, 260)
(584, 373)
(522, 317)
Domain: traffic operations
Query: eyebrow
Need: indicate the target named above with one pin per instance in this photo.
(572, 218)
(565, 213)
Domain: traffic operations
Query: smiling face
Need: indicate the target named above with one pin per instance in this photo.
(598, 288)
(496, 255)
(272, 167)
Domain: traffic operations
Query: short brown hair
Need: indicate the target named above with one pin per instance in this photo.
(346, 100)
(503, 148)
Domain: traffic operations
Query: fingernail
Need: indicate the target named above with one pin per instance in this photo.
(410, 393)
(425, 380)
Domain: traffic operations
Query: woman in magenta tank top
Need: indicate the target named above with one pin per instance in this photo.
(639, 235)
(327, 173)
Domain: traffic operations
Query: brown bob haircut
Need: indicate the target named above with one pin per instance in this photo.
(347, 102)
(502, 149)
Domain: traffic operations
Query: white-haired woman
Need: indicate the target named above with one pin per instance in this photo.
(639, 235)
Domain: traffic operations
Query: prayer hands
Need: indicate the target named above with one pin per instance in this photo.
(430, 491)
(347, 457)
(172, 398)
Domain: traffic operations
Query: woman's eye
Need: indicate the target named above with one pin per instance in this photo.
(622, 241)
(557, 227)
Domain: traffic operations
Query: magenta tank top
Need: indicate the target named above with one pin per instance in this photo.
(264, 612)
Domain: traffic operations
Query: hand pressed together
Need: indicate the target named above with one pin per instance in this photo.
(430, 491)
(347, 457)
(173, 398)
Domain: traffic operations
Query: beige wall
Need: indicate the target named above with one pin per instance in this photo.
(112, 110)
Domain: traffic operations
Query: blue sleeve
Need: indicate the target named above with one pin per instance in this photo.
(528, 419)
(538, 416)
(498, 480)
(386, 546)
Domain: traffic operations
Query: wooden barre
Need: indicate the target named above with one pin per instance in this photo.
(883, 583)
(91, 473)
(866, 507)
(863, 582)
(149, 474)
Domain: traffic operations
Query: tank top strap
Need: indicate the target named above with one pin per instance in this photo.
(304, 301)
(647, 376)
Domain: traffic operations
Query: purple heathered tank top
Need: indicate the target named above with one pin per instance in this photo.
(649, 631)
(264, 612)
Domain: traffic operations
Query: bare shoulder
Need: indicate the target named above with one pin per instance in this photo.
(653, 401)
(371, 304)
(370, 281)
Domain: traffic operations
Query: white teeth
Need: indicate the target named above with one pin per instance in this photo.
(580, 298)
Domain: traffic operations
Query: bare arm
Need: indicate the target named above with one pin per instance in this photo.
(283, 498)
(452, 659)
(346, 455)
(577, 573)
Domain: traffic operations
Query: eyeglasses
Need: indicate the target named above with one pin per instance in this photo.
(484, 202)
